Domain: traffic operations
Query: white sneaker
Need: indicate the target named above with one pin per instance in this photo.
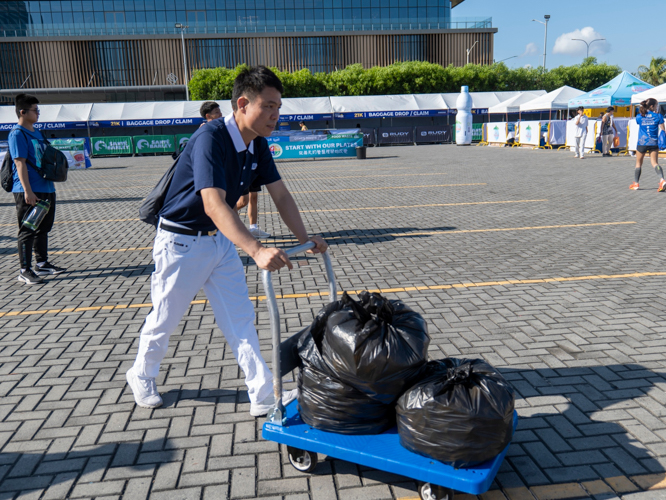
(258, 233)
(262, 409)
(144, 390)
(575, 156)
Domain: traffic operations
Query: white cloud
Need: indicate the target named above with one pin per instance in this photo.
(566, 45)
(530, 50)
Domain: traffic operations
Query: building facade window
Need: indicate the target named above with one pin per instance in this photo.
(99, 17)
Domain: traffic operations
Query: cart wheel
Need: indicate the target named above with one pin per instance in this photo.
(303, 461)
(429, 491)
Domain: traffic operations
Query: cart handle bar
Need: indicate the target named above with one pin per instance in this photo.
(277, 415)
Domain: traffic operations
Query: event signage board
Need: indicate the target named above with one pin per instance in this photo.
(477, 132)
(392, 114)
(369, 137)
(111, 146)
(76, 151)
(395, 135)
(48, 125)
(433, 134)
(154, 144)
(305, 118)
(182, 140)
(158, 122)
(328, 148)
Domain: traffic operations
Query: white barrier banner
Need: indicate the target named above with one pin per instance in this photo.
(557, 132)
(633, 135)
(530, 133)
(590, 140)
(496, 132)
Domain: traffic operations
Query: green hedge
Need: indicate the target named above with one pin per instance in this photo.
(411, 78)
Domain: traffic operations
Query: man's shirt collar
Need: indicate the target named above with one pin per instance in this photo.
(235, 134)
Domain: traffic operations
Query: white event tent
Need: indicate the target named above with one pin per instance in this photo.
(556, 100)
(658, 93)
(513, 105)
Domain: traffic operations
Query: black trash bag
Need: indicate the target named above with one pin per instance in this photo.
(325, 402)
(461, 413)
(376, 345)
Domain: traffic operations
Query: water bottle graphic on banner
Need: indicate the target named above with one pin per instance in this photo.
(37, 214)
(464, 118)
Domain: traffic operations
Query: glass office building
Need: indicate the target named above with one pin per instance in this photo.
(81, 46)
(109, 17)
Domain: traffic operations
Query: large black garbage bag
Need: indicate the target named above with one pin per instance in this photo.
(325, 402)
(460, 413)
(376, 345)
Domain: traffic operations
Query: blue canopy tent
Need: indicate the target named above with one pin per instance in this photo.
(617, 92)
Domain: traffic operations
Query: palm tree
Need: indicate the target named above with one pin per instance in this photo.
(655, 74)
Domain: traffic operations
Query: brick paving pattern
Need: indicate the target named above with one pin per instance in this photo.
(547, 267)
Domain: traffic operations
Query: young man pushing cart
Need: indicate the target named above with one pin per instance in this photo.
(198, 228)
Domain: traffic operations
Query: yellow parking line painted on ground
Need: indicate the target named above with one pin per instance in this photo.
(355, 292)
(103, 188)
(411, 206)
(321, 210)
(390, 187)
(108, 250)
(81, 221)
(359, 177)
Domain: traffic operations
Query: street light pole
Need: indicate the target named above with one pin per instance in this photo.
(182, 39)
(545, 37)
(588, 44)
(470, 50)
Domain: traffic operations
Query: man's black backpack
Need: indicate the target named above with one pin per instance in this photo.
(154, 202)
(54, 166)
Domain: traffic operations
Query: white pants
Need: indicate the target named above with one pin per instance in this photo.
(580, 145)
(183, 265)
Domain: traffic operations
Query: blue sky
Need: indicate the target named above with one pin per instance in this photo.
(631, 39)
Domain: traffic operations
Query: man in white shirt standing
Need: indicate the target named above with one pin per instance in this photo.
(581, 133)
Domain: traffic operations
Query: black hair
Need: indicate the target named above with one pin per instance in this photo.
(609, 109)
(24, 102)
(251, 82)
(208, 107)
(646, 105)
(580, 108)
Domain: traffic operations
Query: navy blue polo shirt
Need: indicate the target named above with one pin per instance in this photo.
(216, 156)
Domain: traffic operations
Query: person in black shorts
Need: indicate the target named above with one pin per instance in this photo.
(650, 122)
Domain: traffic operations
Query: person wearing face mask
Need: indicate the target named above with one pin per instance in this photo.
(197, 232)
(581, 132)
(650, 122)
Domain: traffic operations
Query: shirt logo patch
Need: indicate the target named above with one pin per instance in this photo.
(254, 166)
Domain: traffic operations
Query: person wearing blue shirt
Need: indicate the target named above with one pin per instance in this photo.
(650, 122)
(198, 228)
(26, 146)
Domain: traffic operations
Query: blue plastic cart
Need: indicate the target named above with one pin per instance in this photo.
(382, 451)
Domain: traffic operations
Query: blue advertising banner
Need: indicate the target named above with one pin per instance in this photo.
(161, 122)
(49, 125)
(305, 118)
(392, 114)
(325, 148)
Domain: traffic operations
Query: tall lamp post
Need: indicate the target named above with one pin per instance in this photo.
(470, 50)
(588, 44)
(545, 38)
(182, 29)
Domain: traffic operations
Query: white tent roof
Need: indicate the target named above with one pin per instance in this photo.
(513, 105)
(305, 106)
(658, 93)
(107, 111)
(557, 99)
(50, 113)
(350, 104)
